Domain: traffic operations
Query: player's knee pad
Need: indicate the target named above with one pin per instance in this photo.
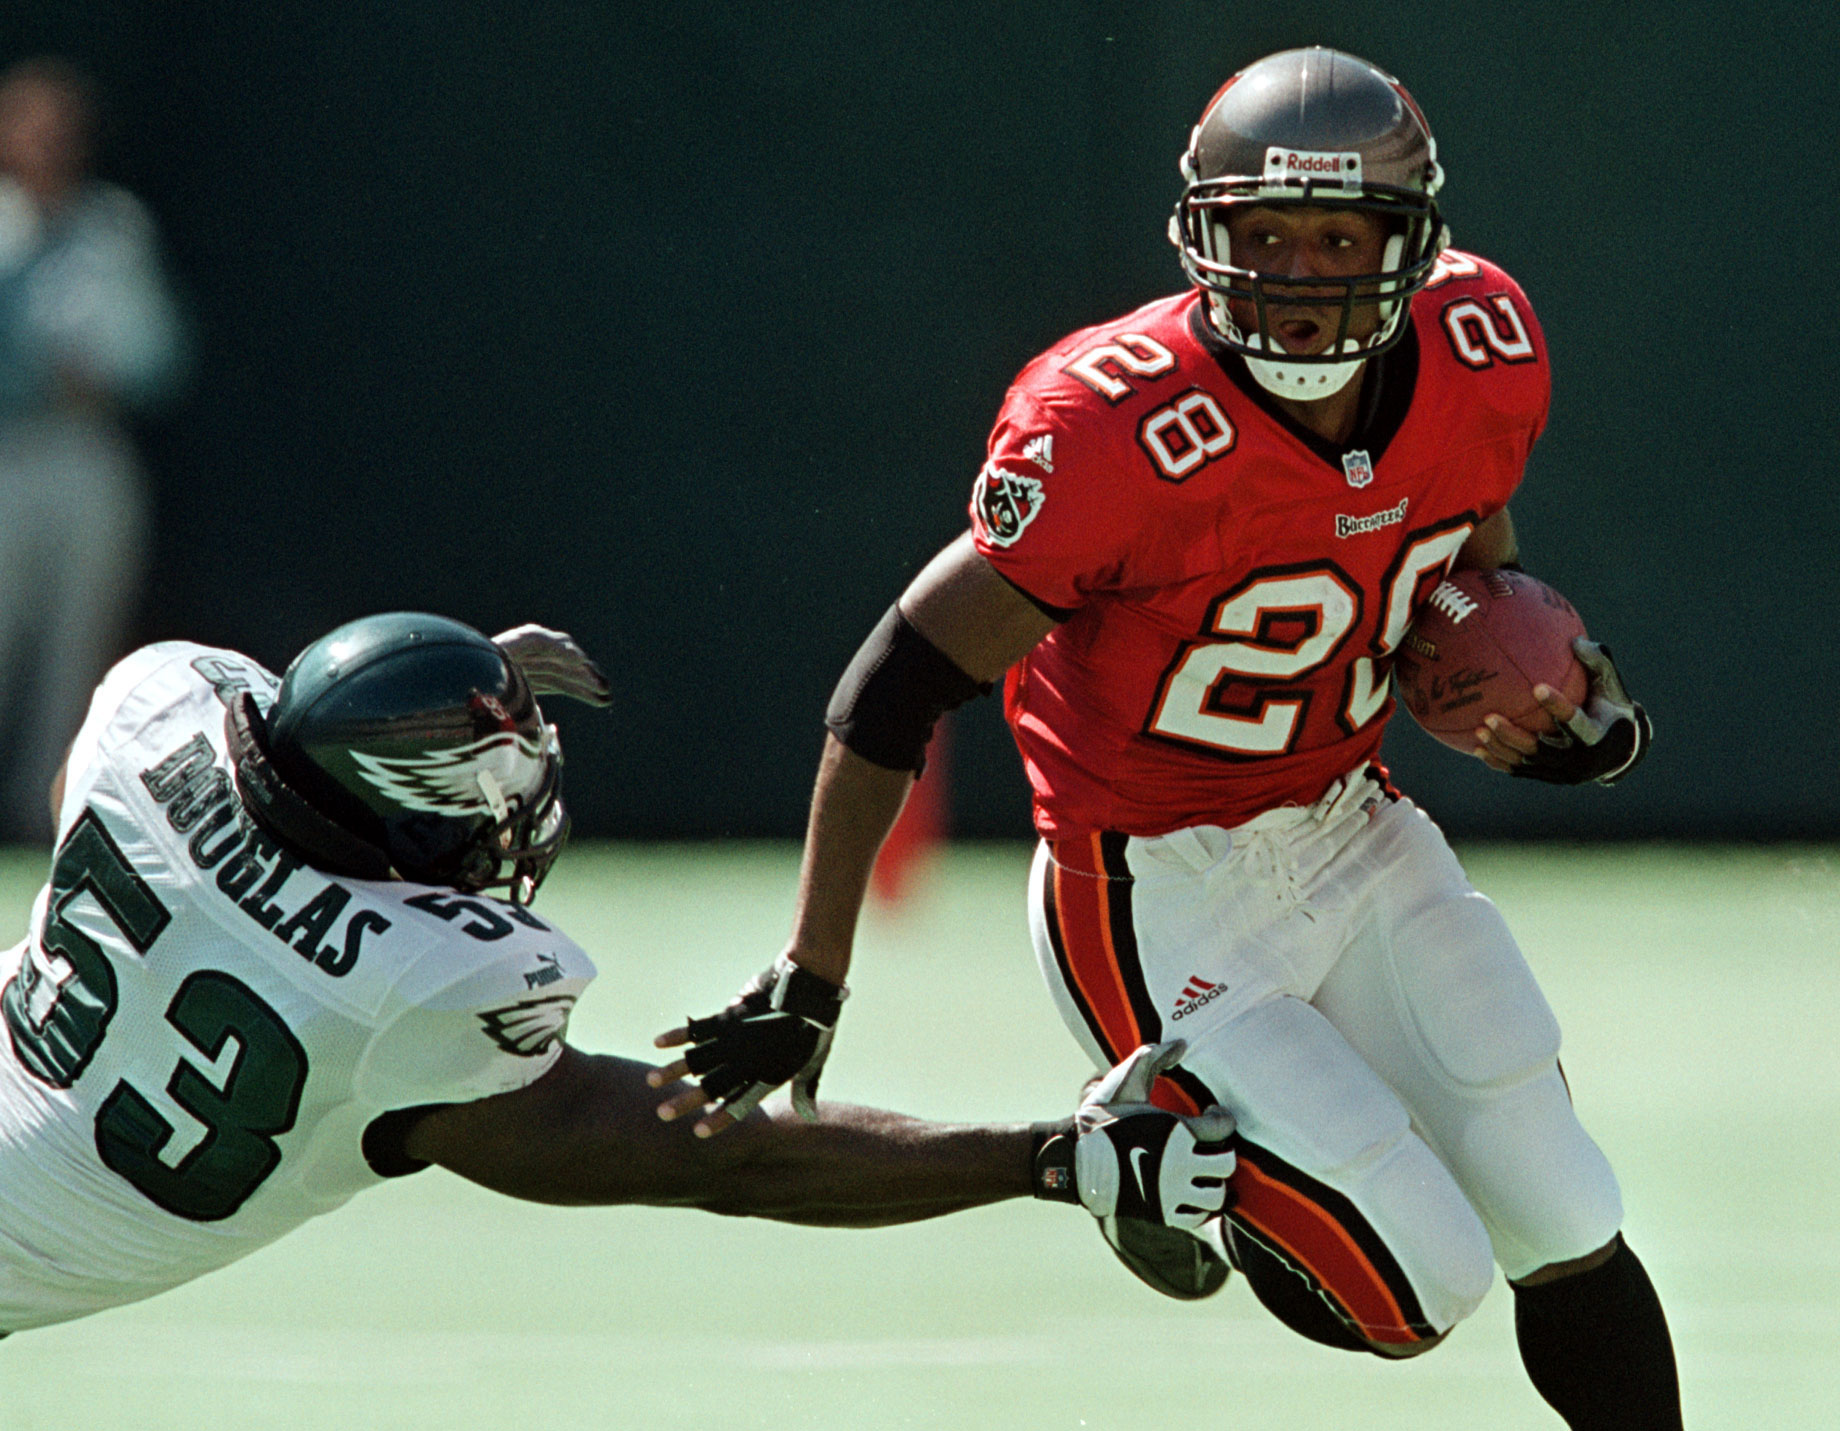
(1473, 1001)
(1549, 1191)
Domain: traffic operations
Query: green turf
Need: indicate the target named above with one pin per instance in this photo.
(1700, 991)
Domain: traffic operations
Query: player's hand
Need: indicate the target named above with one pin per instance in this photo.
(555, 665)
(777, 1029)
(1131, 1159)
(1602, 740)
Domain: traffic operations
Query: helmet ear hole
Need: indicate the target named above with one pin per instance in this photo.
(282, 811)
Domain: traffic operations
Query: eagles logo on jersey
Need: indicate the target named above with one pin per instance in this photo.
(529, 1026)
(1006, 503)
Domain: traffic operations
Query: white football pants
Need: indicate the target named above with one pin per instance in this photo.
(1366, 1017)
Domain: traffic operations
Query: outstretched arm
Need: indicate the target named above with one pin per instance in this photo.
(974, 626)
(585, 1133)
(983, 626)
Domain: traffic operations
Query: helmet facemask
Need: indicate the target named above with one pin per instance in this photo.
(516, 851)
(1199, 230)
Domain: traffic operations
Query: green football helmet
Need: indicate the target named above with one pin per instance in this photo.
(407, 745)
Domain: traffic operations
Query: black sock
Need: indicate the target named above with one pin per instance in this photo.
(1596, 1346)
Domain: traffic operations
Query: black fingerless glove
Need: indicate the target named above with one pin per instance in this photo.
(1604, 741)
(777, 1030)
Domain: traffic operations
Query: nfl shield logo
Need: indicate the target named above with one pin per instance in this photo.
(1358, 467)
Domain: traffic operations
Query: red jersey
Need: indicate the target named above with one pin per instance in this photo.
(1233, 587)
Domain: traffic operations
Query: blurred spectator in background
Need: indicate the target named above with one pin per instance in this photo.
(88, 330)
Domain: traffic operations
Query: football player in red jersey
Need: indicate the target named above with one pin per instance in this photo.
(1201, 533)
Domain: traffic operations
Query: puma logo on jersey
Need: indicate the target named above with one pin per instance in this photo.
(1006, 503)
(1196, 994)
(548, 971)
(529, 1026)
(1040, 451)
(1449, 599)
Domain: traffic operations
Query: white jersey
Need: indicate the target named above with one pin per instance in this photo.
(199, 1029)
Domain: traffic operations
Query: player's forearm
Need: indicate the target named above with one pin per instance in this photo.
(864, 1167)
(853, 807)
(585, 1134)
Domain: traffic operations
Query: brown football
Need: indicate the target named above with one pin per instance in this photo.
(1482, 641)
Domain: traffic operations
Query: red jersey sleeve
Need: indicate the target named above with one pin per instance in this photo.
(1048, 511)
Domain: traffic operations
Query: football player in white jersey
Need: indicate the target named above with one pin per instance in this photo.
(286, 952)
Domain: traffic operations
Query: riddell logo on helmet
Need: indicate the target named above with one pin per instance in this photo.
(1295, 165)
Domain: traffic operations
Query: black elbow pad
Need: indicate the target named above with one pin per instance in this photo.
(892, 694)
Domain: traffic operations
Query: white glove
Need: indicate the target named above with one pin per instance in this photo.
(1131, 1159)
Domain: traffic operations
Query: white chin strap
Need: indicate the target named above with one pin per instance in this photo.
(1300, 382)
(1303, 382)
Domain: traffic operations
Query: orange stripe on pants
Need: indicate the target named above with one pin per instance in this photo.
(1083, 903)
(1313, 1240)
(1083, 906)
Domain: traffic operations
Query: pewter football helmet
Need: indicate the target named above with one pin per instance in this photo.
(1314, 128)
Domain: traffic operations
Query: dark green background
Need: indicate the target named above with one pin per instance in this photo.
(682, 326)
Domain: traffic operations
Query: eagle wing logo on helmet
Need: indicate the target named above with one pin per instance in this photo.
(529, 1026)
(472, 778)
